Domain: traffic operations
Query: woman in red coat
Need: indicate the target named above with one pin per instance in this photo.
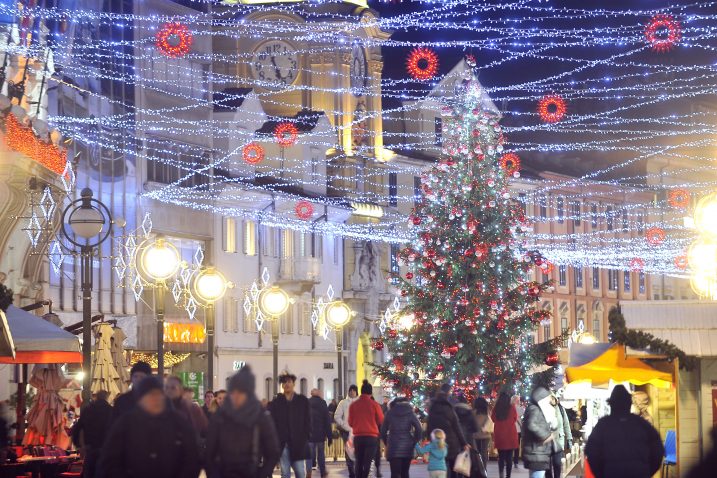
(505, 434)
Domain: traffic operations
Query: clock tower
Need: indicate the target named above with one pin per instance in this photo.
(307, 56)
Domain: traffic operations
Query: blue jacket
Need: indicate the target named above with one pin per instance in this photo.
(436, 456)
(401, 430)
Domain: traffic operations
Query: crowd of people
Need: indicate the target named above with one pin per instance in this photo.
(157, 431)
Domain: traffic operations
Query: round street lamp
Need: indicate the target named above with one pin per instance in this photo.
(158, 260)
(209, 286)
(83, 225)
(337, 315)
(273, 302)
(405, 322)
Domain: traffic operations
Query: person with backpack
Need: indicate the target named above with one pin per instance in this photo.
(242, 440)
(400, 431)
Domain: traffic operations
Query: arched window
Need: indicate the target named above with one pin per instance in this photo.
(320, 384)
(597, 320)
(268, 390)
(303, 385)
(547, 325)
(337, 394)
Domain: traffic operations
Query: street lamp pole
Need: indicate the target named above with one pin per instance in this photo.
(210, 346)
(340, 360)
(82, 220)
(274, 302)
(275, 350)
(159, 311)
(338, 314)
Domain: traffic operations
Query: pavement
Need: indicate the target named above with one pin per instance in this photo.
(418, 470)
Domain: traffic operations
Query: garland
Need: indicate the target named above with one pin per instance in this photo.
(645, 341)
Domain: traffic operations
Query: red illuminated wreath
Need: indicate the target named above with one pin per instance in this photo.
(422, 63)
(510, 162)
(286, 134)
(174, 40)
(304, 210)
(679, 198)
(637, 264)
(253, 153)
(548, 269)
(681, 262)
(655, 236)
(552, 108)
(663, 32)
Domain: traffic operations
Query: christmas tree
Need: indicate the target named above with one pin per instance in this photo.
(470, 305)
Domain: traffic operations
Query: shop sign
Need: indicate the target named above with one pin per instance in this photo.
(238, 365)
(328, 365)
(195, 381)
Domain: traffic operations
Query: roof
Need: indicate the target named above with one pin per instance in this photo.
(39, 341)
(230, 99)
(305, 121)
(690, 325)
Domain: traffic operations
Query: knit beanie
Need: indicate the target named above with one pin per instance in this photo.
(243, 381)
(366, 388)
(147, 385)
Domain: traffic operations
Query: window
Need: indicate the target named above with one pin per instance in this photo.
(268, 389)
(609, 216)
(523, 204)
(305, 244)
(641, 282)
(625, 224)
(596, 327)
(612, 279)
(229, 234)
(596, 278)
(417, 193)
(337, 249)
(438, 130)
(564, 324)
(231, 315)
(593, 216)
(576, 213)
(170, 162)
(563, 275)
(626, 281)
(392, 189)
(395, 270)
(287, 243)
(249, 238)
(547, 334)
(561, 210)
(543, 206)
(578, 277)
(337, 394)
(249, 324)
(303, 386)
(320, 384)
(640, 222)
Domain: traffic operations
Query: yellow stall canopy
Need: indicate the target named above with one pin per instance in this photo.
(601, 363)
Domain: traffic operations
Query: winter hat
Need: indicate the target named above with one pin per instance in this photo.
(366, 388)
(243, 381)
(620, 400)
(142, 367)
(147, 385)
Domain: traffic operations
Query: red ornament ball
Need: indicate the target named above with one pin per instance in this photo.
(679, 198)
(416, 220)
(510, 163)
(286, 134)
(663, 32)
(552, 359)
(422, 63)
(552, 108)
(398, 363)
(174, 40)
(378, 345)
(440, 367)
(409, 275)
(655, 236)
(253, 153)
(304, 210)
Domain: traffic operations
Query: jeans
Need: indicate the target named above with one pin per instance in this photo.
(349, 462)
(516, 453)
(365, 453)
(536, 474)
(400, 467)
(556, 467)
(318, 457)
(299, 466)
(505, 460)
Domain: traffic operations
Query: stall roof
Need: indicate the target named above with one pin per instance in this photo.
(690, 325)
(39, 341)
(611, 364)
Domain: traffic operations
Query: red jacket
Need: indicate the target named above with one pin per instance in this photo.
(505, 436)
(365, 417)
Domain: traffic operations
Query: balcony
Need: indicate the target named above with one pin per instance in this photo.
(300, 269)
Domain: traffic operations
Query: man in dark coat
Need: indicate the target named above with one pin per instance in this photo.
(292, 419)
(126, 402)
(320, 432)
(242, 441)
(623, 445)
(400, 431)
(150, 441)
(537, 433)
(90, 431)
(441, 414)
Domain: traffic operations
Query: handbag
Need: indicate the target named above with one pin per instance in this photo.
(462, 465)
(488, 426)
(349, 448)
(478, 467)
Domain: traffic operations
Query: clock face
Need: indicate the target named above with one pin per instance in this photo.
(275, 65)
(358, 70)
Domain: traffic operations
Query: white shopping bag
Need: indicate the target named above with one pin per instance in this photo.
(462, 465)
(349, 448)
